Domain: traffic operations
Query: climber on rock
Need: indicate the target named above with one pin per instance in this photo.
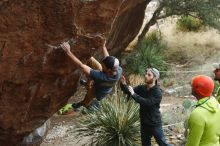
(102, 77)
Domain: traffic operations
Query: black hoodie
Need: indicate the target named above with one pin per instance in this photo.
(149, 100)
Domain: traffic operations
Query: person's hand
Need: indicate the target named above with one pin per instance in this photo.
(66, 47)
(123, 80)
(104, 43)
(131, 90)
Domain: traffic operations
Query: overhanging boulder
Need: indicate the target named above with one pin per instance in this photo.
(36, 80)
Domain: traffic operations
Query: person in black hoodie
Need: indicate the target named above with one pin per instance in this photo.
(149, 97)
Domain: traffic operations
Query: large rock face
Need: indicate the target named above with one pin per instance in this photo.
(35, 80)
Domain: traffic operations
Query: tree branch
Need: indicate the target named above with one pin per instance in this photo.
(151, 22)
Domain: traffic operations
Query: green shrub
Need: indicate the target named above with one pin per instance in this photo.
(150, 54)
(189, 23)
(116, 123)
(187, 104)
(167, 82)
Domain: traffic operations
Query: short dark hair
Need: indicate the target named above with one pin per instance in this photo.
(110, 62)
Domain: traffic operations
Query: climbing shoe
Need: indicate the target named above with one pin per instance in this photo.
(82, 82)
(65, 109)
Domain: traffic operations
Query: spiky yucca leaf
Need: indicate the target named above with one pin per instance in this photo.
(116, 123)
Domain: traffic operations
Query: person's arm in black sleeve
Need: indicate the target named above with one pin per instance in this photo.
(146, 101)
(124, 86)
(149, 101)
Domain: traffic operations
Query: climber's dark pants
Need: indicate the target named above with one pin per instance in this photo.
(90, 95)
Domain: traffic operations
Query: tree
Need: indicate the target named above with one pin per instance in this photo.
(208, 11)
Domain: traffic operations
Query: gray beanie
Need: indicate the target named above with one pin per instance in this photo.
(155, 72)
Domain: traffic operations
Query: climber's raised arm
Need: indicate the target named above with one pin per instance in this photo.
(66, 47)
(105, 51)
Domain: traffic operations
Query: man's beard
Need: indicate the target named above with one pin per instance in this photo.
(149, 81)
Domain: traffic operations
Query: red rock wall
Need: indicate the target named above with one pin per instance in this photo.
(35, 80)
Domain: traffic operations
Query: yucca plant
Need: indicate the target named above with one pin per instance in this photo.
(149, 54)
(116, 123)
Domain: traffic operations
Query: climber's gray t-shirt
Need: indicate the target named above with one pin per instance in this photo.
(103, 84)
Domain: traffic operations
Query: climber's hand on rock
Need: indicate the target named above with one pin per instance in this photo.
(66, 47)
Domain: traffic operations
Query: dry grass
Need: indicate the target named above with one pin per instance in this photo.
(193, 47)
(135, 80)
(186, 47)
(186, 51)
